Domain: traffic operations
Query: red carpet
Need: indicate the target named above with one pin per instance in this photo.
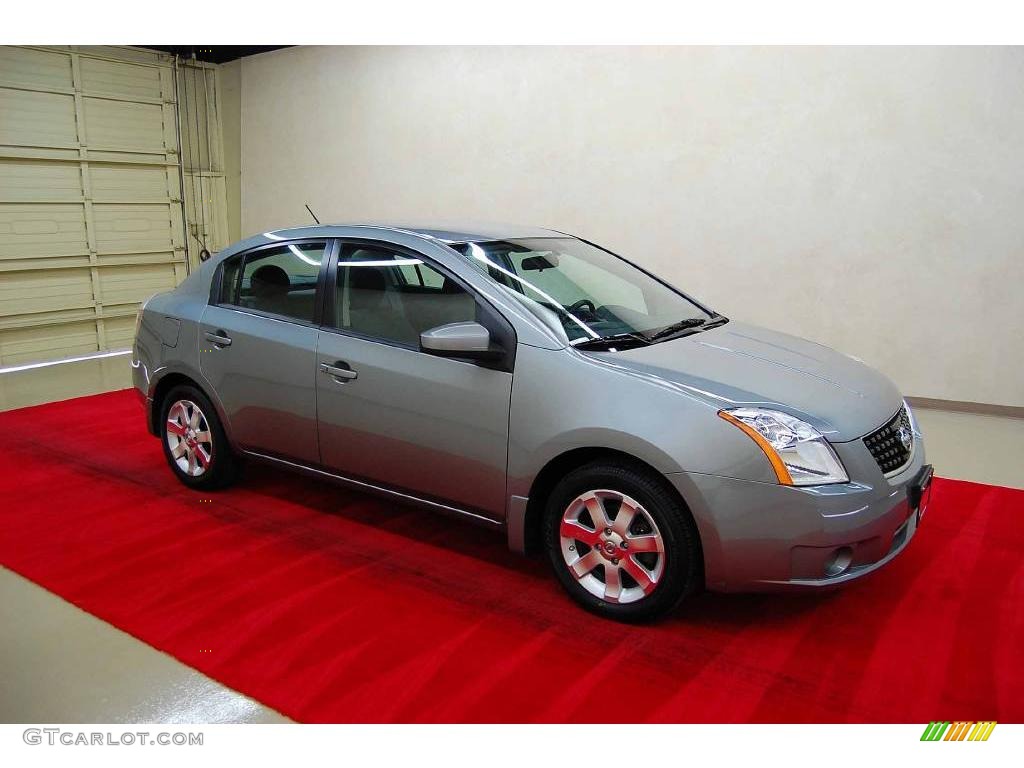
(331, 606)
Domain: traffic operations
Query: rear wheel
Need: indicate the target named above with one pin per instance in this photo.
(620, 542)
(194, 442)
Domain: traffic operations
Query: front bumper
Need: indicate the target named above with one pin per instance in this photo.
(765, 537)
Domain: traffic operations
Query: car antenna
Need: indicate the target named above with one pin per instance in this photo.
(312, 214)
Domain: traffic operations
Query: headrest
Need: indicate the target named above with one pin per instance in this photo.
(271, 275)
(366, 278)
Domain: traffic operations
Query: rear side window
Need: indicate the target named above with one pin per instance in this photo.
(280, 281)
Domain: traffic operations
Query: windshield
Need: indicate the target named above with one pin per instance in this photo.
(595, 294)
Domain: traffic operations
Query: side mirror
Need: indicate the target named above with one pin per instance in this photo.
(466, 339)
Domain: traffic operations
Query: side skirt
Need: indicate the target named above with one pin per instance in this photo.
(380, 490)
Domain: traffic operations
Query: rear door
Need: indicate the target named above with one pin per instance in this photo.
(398, 417)
(258, 347)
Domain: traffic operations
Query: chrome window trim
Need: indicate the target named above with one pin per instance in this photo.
(394, 345)
(266, 315)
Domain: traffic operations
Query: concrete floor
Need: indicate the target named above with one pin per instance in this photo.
(60, 664)
(968, 446)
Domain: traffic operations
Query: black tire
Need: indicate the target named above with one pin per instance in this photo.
(222, 467)
(680, 573)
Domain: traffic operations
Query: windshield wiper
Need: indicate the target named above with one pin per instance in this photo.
(682, 325)
(615, 340)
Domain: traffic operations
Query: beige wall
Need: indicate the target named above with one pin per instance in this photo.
(870, 199)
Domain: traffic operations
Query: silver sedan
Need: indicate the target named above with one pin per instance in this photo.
(541, 386)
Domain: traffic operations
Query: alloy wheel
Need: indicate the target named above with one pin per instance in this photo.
(612, 546)
(189, 438)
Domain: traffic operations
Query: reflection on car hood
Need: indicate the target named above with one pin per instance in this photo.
(738, 364)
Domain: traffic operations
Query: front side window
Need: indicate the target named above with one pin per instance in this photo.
(594, 294)
(393, 296)
(280, 280)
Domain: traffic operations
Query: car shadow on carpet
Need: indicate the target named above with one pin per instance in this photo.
(302, 510)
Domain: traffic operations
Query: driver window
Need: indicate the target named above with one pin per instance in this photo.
(393, 296)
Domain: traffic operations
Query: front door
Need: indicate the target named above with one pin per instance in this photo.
(259, 348)
(392, 415)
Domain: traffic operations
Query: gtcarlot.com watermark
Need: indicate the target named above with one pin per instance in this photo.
(68, 738)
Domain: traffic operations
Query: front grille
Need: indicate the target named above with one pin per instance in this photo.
(887, 442)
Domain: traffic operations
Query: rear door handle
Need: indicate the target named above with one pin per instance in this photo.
(219, 338)
(339, 371)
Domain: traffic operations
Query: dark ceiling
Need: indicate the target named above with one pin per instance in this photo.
(214, 54)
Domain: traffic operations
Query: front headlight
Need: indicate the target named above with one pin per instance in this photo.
(799, 454)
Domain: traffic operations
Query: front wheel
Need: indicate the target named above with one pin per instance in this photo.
(621, 544)
(194, 442)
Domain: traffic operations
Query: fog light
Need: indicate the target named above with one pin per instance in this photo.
(839, 561)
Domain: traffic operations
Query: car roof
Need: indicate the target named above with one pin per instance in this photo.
(447, 231)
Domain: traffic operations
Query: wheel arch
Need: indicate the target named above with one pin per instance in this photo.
(165, 383)
(564, 463)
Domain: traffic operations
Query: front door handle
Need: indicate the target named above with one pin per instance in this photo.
(339, 370)
(219, 338)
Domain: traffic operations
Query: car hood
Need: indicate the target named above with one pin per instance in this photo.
(738, 364)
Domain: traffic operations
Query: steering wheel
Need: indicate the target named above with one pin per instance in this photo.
(591, 307)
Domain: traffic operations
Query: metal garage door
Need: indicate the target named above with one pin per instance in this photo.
(90, 197)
